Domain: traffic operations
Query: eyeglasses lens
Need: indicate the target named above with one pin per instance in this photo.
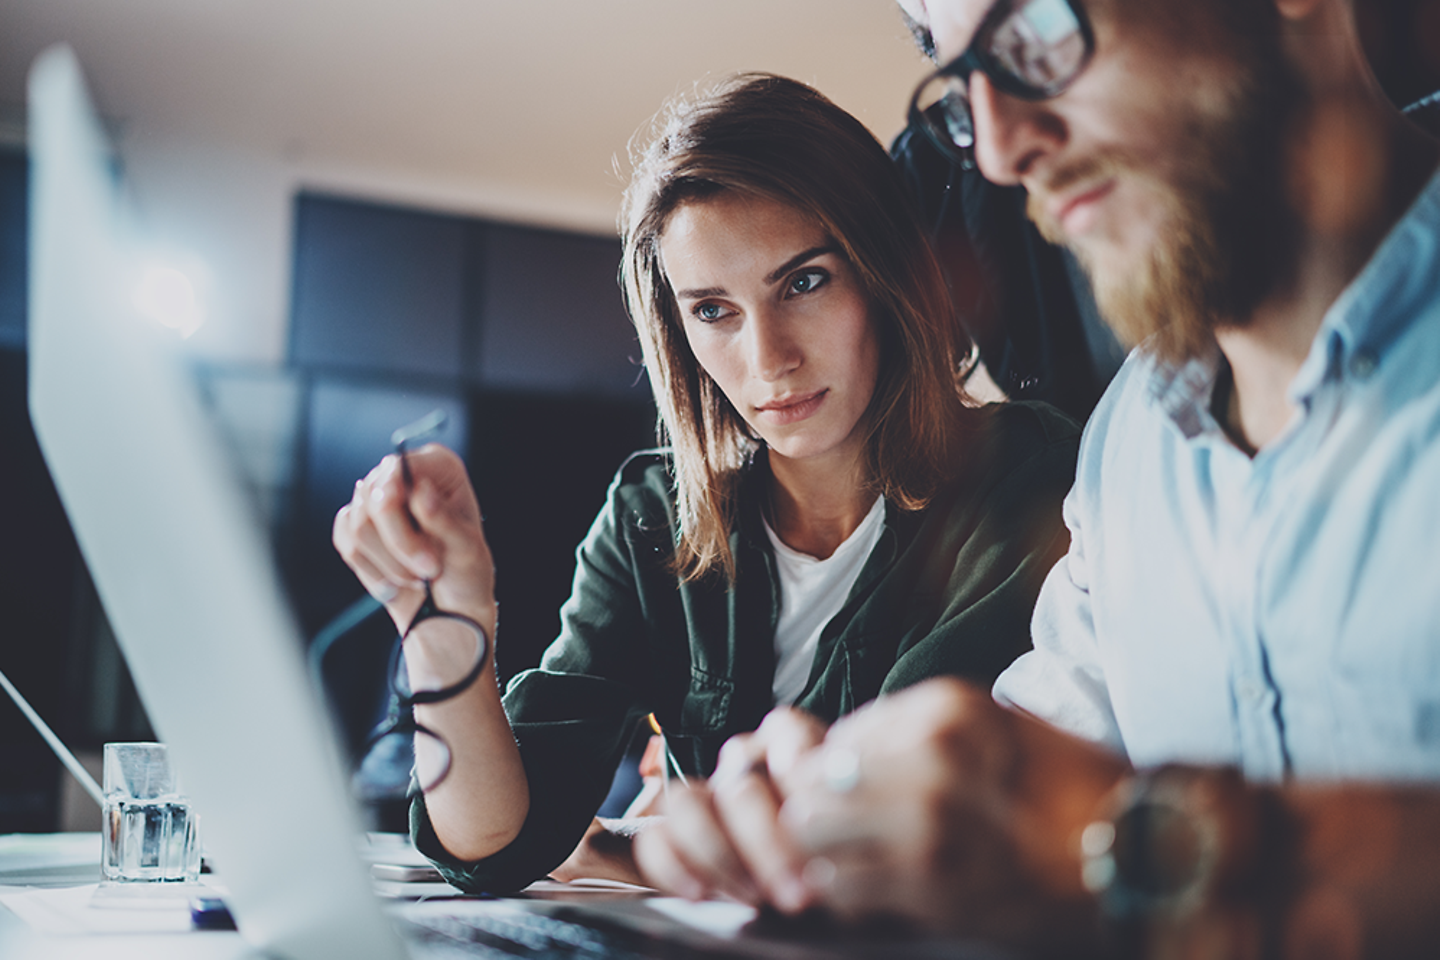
(385, 772)
(1041, 44)
(441, 652)
(945, 105)
(443, 655)
(1034, 50)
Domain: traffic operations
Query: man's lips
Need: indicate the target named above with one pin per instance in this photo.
(1074, 212)
(791, 408)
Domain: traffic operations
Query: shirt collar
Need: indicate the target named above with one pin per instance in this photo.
(1363, 321)
(1381, 302)
(1183, 391)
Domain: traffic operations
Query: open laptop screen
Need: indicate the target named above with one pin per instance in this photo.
(180, 559)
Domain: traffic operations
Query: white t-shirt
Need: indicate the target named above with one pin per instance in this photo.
(812, 591)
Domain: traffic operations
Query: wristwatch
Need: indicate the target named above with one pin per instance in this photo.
(1156, 850)
(1183, 855)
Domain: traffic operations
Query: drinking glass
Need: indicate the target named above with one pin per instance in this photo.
(149, 828)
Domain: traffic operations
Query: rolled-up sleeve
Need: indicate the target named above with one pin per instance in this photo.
(572, 716)
(1062, 679)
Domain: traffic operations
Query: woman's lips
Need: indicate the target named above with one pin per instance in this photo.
(791, 409)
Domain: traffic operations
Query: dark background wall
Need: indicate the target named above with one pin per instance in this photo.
(1402, 41)
(519, 334)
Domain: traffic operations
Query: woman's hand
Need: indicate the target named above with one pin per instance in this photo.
(606, 852)
(395, 538)
(724, 836)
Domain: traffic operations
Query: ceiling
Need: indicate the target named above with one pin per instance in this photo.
(455, 102)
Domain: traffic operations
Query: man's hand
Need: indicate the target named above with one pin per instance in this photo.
(724, 836)
(939, 806)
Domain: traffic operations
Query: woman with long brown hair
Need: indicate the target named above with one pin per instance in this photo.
(831, 520)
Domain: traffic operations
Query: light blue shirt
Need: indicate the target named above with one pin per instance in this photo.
(1280, 613)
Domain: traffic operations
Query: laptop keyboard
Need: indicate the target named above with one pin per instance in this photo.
(493, 929)
(525, 934)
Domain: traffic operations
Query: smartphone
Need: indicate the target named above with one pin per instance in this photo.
(210, 913)
(404, 873)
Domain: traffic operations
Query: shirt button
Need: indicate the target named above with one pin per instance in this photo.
(1363, 364)
(1249, 691)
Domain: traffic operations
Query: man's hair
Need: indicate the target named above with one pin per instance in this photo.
(767, 137)
(921, 34)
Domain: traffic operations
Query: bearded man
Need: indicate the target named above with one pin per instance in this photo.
(1227, 738)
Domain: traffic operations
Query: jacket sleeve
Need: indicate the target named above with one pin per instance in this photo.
(573, 715)
(999, 540)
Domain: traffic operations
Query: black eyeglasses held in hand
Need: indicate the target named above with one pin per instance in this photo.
(439, 656)
(452, 650)
(1032, 49)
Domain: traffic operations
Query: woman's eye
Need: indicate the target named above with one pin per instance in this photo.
(708, 312)
(808, 281)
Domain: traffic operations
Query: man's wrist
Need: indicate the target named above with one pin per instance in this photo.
(1189, 862)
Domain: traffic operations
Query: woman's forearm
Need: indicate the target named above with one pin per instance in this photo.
(479, 806)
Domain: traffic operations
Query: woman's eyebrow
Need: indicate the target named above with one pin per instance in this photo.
(700, 293)
(800, 258)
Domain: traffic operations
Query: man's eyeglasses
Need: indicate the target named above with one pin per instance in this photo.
(449, 650)
(1032, 49)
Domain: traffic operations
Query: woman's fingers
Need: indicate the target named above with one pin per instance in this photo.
(370, 544)
(387, 501)
(747, 800)
(663, 868)
(359, 545)
(856, 881)
(691, 853)
(452, 532)
(443, 504)
(749, 810)
(398, 532)
(725, 836)
(372, 579)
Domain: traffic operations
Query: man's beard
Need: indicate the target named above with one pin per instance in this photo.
(1226, 238)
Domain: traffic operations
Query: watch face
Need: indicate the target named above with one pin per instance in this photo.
(1158, 850)
(1155, 857)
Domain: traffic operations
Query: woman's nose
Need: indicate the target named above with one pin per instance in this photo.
(773, 350)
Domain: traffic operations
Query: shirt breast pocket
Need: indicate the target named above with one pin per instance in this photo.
(707, 703)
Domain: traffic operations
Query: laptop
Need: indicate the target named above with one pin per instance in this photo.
(185, 572)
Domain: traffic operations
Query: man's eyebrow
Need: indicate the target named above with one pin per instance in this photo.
(800, 258)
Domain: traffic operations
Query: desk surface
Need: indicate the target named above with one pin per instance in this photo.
(54, 907)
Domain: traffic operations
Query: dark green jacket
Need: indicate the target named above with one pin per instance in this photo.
(947, 590)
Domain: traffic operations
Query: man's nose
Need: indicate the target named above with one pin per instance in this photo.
(1011, 134)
